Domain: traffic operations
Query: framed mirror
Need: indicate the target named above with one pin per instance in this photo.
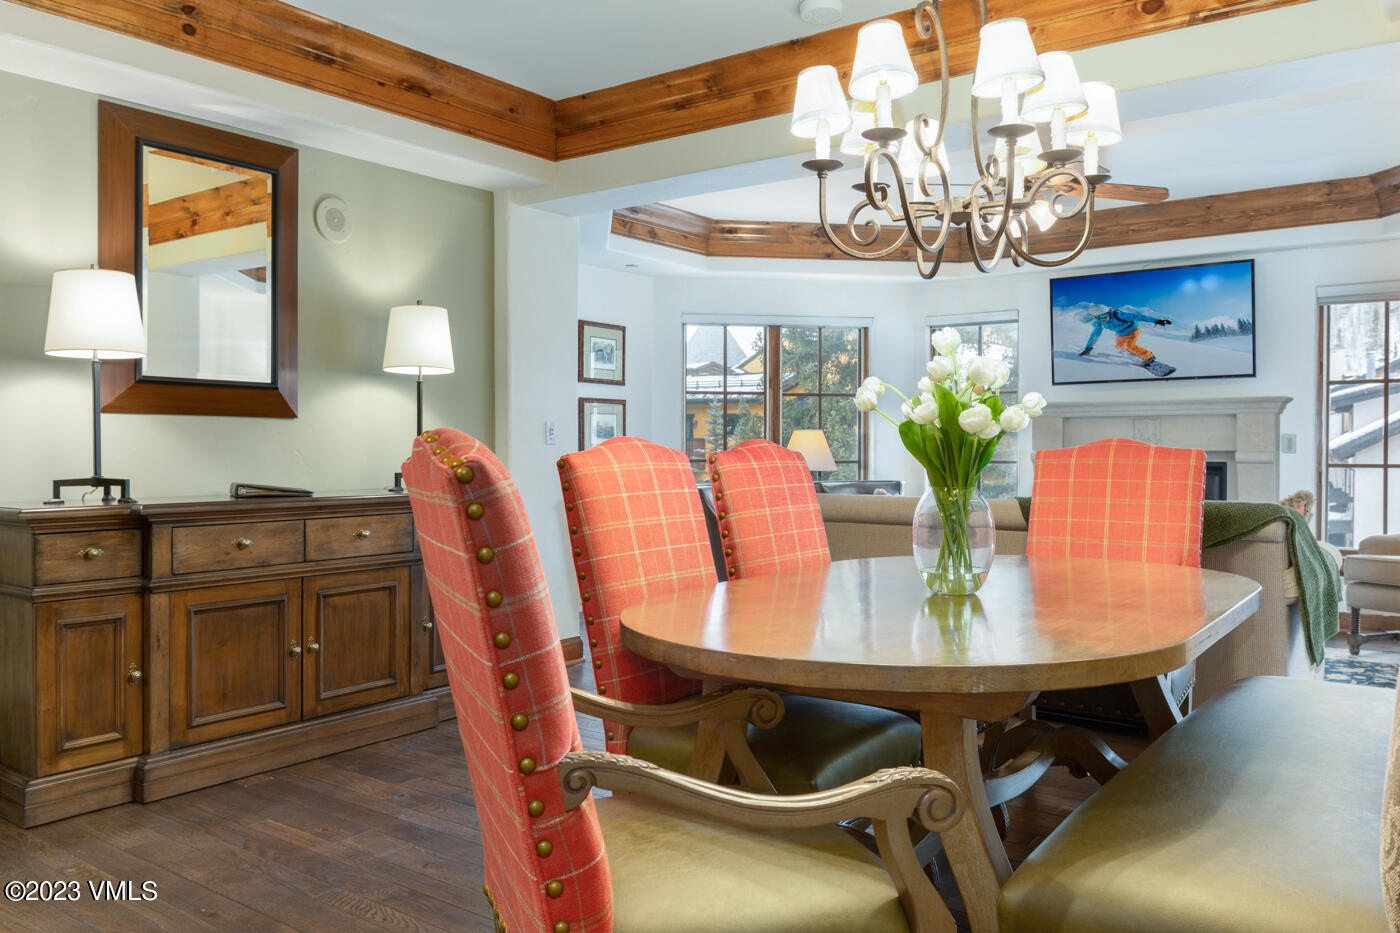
(206, 220)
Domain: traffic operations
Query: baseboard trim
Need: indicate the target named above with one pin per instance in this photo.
(573, 650)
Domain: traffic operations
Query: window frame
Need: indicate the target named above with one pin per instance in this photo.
(773, 394)
(1389, 383)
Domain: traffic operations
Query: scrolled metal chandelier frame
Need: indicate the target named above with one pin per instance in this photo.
(997, 213)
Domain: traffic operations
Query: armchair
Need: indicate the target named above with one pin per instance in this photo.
(1373, 584)
(556, 859)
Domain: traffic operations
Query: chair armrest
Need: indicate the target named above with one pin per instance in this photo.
(758, 705)
(890, 798)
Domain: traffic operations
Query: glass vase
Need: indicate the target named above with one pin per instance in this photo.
(954, 539)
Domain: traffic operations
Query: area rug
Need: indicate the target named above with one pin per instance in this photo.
(1360, 671)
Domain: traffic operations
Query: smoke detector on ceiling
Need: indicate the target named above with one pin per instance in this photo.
(819, 12)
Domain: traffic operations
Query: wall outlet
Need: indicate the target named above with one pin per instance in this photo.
(551, 434)
(1147, 430)
(1288, 444)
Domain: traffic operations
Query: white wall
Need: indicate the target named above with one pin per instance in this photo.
(536, 343)
(415, 237)
(627, 299)
(1286, 284)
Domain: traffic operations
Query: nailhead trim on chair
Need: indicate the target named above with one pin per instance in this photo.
(731, 565)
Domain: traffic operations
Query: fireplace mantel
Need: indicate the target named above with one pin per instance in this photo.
(1243, 432)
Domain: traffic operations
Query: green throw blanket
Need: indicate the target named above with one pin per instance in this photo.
(1319, 586)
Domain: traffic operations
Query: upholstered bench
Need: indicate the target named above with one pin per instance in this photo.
(1262, 811)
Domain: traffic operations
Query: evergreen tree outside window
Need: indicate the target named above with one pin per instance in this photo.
(729, 395)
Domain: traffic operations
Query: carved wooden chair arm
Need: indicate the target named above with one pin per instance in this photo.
(758, 705)
(889, 798)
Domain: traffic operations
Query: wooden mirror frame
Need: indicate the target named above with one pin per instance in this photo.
(121, 131)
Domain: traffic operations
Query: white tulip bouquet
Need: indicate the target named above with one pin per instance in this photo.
(952, 426)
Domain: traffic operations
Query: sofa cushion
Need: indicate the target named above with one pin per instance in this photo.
(819, 744)
(690, 875)
(1376, 597)
(1260, 812)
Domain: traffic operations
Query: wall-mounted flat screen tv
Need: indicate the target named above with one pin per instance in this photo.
(1184, 322)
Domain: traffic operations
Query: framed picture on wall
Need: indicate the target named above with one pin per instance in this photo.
(602, 353)
(1183, 322)
(600, 419)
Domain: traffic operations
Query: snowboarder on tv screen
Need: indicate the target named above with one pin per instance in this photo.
(1125, 325)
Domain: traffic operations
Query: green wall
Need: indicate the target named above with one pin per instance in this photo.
(414, 238)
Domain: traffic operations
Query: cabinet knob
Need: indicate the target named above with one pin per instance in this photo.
(133, 674)
(91, 553)
(295, 650)
(362, 533)
(427, 624)
(243, 543)
(312, 646)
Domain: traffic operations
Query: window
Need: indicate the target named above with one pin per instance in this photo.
(995, 337)
(729, 397)
(1360, 458)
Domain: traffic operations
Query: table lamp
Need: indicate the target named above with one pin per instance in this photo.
(419, 343)
(94, 315)
(812, 445)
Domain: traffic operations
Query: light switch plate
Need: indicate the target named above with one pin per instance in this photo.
(1288, 444)
(551, 434)
(1147, 430)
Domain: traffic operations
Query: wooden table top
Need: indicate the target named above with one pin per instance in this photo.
(1037, 624)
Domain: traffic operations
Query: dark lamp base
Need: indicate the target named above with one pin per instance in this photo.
(105, 483)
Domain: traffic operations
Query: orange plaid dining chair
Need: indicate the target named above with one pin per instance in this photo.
(671, 853)
(766, 504)
(637, 530)
(1120, 499)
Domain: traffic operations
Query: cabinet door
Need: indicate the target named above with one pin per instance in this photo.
(429, 663)
(357, 641)
(437, 661)
(90, 689)
(235, 659)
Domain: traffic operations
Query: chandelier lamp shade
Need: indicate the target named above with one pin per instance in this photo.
(94, 315)
(1041, 162)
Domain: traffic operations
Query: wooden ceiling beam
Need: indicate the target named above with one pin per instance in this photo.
(1365, 197)
(761, 83)
(226, 207)
(283, 42)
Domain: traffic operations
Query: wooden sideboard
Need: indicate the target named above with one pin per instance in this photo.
(148, 650)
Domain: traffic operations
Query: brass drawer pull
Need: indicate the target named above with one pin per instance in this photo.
(362, 533)
(295, 649)
(427, 625)
(243, 543)
(133, 674)
(312, 646)
(91, 553)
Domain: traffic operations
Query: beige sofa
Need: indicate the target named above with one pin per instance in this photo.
(1271, 642)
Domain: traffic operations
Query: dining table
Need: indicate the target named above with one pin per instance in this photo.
(869, 631)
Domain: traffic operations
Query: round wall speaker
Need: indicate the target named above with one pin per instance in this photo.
(819, 12)
(333, 219)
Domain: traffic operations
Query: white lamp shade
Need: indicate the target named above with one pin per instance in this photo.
(812, 445)
(911, 156)
(1005, 51)
(1102, 118)
(819, 97)
(1061, 89)
(882, 58)
(862, 119)
(94, 314)
(419, 341)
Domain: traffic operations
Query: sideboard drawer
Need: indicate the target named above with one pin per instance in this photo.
(330, 538)
(87, 555)
(200, 548)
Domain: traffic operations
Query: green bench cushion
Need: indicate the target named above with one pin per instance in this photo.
(1260, 812)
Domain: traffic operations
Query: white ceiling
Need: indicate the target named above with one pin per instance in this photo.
(560, 49)
(1320, 118)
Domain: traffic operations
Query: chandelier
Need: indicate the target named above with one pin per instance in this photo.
(1043, 166)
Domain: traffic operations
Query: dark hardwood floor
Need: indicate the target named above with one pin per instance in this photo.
(379, 838)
